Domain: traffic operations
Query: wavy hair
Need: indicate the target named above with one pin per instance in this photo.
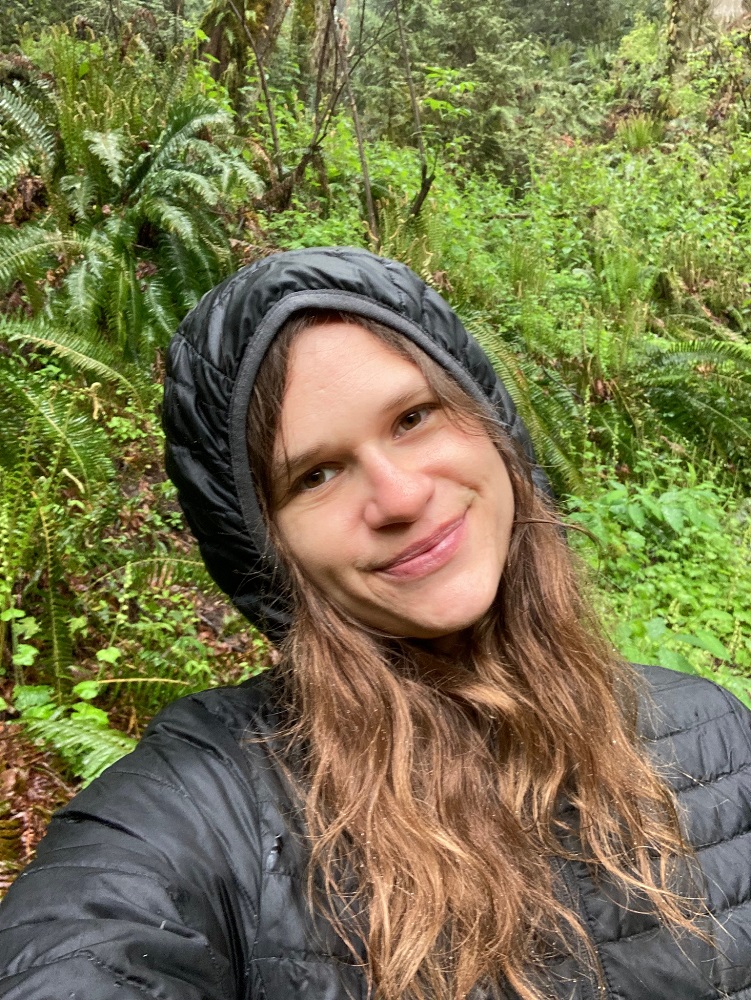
(441, 795)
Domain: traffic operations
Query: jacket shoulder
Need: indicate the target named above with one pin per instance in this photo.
(221, 715)
(672, 704)
(161, 857)
(699, 737)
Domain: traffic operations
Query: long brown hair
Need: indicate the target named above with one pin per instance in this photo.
(439, 793)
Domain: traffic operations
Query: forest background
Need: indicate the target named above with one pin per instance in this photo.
(575, 177)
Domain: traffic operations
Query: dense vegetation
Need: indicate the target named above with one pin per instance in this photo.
(579, 189)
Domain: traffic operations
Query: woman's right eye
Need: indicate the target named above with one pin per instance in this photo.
(316, 477)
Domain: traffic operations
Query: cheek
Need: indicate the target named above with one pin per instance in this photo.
(316, 541)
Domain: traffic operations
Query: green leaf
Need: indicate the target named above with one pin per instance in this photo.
(48, 711)
(76, 625)
(656, 628)
(92, 714)
(702, 639)
(674, 517)
(87, 690)
(11, 614)
(27, 627)
(635, 540)
(24, 655)
(31, 695)
(675, 661)
(637, 515)
(109, 655)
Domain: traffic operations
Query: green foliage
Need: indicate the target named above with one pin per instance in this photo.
(588, 219)
(580, 20)
(136, 181)
(78, 732)
(639, 133)
(673, 563)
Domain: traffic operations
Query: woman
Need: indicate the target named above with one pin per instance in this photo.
(450, 786)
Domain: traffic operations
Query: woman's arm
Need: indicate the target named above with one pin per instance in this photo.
(147, 882)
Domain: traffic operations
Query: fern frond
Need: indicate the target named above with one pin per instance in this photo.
(162, 571)
(186, 118)
(19, 517)
(172, 219)
(14, 164)
(237, 172)
(692, 352)
(93, 358)
(160, 305)
(17, 110)
(30, 250)
(76, 437)
(78, 194)
(55, 613)
(86, 747)
(546, 416)
(109, 149)
(184, 182)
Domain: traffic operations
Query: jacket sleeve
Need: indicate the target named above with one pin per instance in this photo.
(146, 883)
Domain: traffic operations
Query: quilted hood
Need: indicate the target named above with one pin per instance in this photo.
(211, 366)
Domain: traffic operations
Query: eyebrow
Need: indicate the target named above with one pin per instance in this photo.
(284, 470)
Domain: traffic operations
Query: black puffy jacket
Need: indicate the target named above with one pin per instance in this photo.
(179, 874)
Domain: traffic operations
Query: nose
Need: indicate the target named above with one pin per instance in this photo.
(396, 491)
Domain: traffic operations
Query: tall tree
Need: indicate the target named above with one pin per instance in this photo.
(239, 33)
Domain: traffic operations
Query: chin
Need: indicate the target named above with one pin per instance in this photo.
(443, 626)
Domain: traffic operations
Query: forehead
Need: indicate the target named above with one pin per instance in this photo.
(333, 362)
(339, 376)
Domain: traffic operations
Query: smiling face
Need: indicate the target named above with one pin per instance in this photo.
(397, 511)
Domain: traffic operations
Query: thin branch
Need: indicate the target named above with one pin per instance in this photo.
(341, 43)
(426, 176)
(321, 129)
(279, 162)
(411, 86)
(281, 191)
(319, 75)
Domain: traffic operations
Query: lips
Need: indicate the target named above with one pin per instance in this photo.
(427, 554)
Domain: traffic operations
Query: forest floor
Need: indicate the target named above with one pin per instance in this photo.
(31, 789)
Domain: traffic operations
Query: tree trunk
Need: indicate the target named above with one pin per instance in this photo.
(340, 38)
(228, 40)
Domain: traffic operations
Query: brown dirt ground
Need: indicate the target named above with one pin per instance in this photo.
(31, 789)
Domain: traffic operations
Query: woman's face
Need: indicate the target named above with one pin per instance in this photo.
(399, 515)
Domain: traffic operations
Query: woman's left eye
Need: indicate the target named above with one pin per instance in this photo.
(315, 478)
(413, 418)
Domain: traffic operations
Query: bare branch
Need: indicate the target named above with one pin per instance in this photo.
(264, 87)
(411, 86)
(341, 46)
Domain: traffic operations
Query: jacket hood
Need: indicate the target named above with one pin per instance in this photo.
(211, 367)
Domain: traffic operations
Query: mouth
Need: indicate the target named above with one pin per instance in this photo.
(427, 555)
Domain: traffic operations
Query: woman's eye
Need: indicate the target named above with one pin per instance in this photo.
(414, 418)
(316, 477)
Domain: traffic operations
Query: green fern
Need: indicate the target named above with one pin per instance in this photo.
(109, 149)
(55, 613)
(28, 141)
(63, 436)
(133, 224)
(167, 570)
(85, 742)
(91, 358)
(28, 252)
(550, 413)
